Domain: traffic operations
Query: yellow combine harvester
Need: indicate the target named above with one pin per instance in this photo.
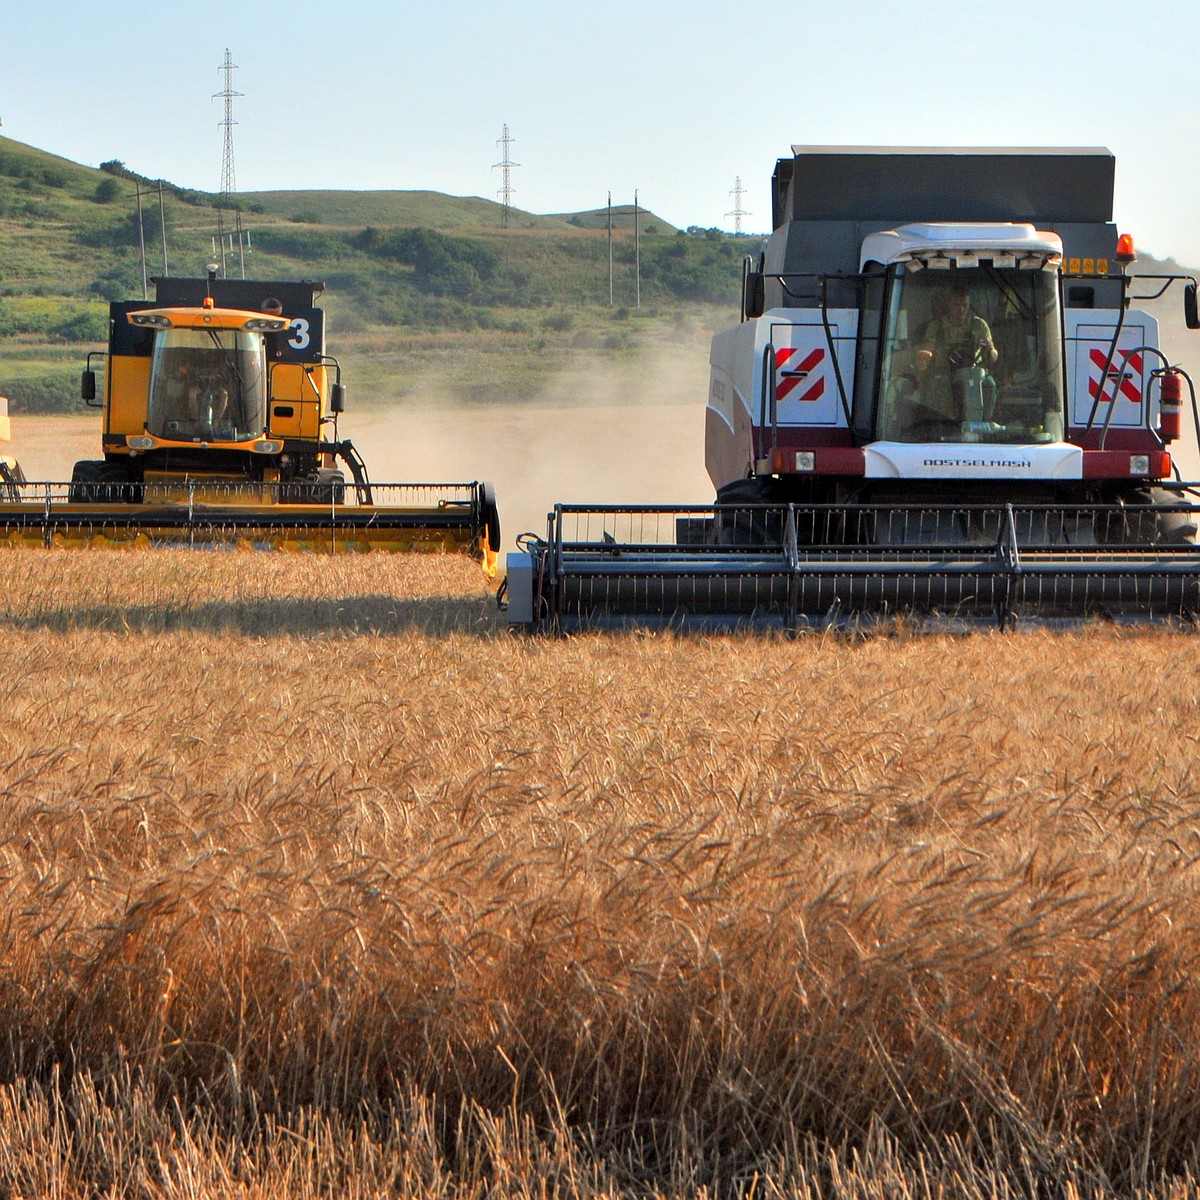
(220, 428)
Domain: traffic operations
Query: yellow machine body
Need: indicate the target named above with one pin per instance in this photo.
(220, 412)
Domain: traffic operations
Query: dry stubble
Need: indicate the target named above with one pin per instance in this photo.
(311, 843)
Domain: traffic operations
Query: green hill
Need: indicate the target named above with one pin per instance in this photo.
(430, 210)
(420, 286)
(413, 273)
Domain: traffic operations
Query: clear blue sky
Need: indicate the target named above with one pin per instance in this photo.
(674, 99)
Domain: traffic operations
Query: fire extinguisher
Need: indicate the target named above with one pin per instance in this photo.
(1170, 404)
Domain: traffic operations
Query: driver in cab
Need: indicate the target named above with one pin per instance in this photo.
(198, 402)
(954, 342)
(957, 338)
(207, 401)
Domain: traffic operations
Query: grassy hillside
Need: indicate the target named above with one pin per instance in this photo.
(400, 268)
(429, 210)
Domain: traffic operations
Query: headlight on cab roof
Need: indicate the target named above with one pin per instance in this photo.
(266, 325)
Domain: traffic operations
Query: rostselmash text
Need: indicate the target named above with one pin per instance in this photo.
(1022, 463)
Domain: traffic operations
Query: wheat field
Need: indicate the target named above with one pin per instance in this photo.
(314, 881)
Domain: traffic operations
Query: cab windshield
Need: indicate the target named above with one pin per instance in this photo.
(207, 385)
(971, 355)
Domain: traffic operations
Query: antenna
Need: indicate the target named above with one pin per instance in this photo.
(506, 165)
(738, 211)
(228, 180)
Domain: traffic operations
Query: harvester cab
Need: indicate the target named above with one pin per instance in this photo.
(942, 396)
(220, 415)
(220, 381)
(941, 376)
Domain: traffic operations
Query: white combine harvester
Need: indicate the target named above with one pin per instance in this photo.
(943, 398)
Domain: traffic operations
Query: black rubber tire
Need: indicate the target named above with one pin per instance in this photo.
(1141, 523)
(490, 515)
(331, 486)
(84, 476)
(1173, 528)
(101, 481)
(745, 528)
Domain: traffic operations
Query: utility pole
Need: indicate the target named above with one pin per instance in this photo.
(637, 249)
(738, 211)
(610, 252)
(142, 240)
(228, 181)
(162, 222)
(505, 165)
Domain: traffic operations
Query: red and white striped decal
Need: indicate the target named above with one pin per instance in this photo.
(789, 378)
(1131, 385)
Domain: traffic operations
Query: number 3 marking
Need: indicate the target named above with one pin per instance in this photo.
(300, 335)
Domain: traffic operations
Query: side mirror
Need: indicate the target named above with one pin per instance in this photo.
(1191, 312)
(337, 398)
(754, 294)
(87, 384)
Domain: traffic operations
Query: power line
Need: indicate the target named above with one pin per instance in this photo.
(228, 182)
(738, 211)
(505, 165)
(228, 176)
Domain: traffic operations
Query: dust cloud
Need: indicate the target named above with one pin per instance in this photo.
(601, 433)
(604, 433)
(48, 447)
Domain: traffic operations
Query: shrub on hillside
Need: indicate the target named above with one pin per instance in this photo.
(123, 233)
(17, 318)
(114, 166)
(106, 191)
(30, 171)
(692, 269)
(306, 244)
(54, 322)
(56, 392)
(80, 325)
(122, 281)
(443, 265)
